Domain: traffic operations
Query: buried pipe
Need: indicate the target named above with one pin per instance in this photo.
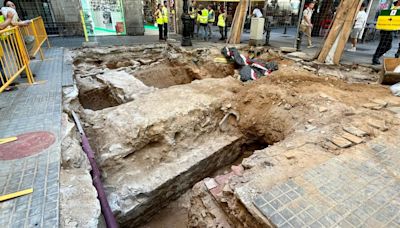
(105, 207)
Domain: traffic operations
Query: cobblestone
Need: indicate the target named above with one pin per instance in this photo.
(350, 190)
(33, 108)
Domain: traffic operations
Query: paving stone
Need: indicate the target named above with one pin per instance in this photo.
(373, 106)
(340, 142)
(355, 131)
(259, 201)
(352, 138)
(277, 219)
(38, 107)
(378, 124)
(395, 110)
(381, 102)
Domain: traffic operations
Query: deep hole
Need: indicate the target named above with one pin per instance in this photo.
(247, 149)
(97, 99)
(175, 215)
(165, 76)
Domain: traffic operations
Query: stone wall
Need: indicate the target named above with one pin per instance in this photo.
(67, 17)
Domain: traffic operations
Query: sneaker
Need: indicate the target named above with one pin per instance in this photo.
(375, 62)
(353, 49)
(310, 46)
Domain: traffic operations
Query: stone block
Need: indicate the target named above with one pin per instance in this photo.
(352, 138)
(381, 102)
(340, 141)
(395, 110)
(355, 131)
(378, 124)
(373, 106)
(210, 183)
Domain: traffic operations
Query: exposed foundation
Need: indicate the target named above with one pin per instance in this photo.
(166, 122)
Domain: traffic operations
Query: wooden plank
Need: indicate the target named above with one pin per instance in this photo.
(335, 29)
(346, 30)
(238, 22)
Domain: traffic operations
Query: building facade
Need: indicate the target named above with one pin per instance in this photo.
(102, 17)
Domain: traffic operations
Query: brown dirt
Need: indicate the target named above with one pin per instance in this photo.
(262, 103)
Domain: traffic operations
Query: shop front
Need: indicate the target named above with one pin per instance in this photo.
(104, 17)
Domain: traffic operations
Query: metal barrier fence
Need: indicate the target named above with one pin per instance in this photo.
(35, 30)
(14, 59)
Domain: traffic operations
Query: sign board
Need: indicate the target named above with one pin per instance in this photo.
(388, 20)
(103, 17)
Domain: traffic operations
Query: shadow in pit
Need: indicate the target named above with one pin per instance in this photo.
(97, 99)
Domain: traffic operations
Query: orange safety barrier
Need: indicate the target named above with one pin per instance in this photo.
(14, 58)
(37, 30)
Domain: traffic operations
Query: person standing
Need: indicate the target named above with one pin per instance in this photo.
(165, 15)
(221, 22)
(306, 25)
(358, 25)
(385, 41)
(203, 20)
(193, 16)
(211, 20)
(160, 21)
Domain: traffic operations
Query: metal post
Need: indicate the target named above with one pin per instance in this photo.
(186, 41)
(299, 34)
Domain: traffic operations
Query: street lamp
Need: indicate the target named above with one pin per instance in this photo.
(187, 24)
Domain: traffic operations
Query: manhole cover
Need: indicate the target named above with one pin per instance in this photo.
(26, 145)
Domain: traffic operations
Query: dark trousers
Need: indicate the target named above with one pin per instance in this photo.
(221, 31)
(165, 30)
(160, 31)
(385, 43)
(192, 21)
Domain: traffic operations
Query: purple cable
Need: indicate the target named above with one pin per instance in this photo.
(96, 177)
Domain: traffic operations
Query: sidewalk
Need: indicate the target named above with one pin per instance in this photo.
(35, 158)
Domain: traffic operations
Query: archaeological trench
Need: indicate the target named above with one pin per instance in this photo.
(181, 142)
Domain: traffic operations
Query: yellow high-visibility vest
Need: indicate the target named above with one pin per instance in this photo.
(165, 14)
(159, 17)
(203, 18)
(193, 12)
(221, 20)
(211, 16)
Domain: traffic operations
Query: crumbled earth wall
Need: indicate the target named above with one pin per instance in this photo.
(156, 132)
(160, 118)
(299, 115)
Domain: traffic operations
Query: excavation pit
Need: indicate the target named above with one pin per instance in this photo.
(172, 119)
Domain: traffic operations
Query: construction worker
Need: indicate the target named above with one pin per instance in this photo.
(160, 21)
(165, 15)
(193, 16)
(211, 20)
(203, 20)
(198, 20)
(385, 41)
(221, 22)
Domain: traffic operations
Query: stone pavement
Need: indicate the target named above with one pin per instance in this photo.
(360, 189)
(277, 39)
(31, 109)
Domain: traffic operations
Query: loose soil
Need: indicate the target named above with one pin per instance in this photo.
(271, 110)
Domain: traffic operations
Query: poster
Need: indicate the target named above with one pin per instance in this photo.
(104, 17)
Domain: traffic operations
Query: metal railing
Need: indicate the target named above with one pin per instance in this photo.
(36, 30)
(14, 58)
